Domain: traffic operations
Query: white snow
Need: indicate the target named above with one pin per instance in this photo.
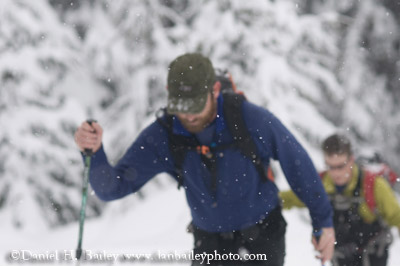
(156, 227)
(51, 80)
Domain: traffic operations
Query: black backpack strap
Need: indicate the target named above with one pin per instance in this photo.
(178, 145)
(357, 189)
(233, 115)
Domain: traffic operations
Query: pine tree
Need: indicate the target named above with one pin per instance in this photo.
(40, 169)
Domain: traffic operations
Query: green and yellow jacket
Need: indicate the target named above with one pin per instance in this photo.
(387, 205)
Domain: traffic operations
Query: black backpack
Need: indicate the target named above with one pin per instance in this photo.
(179, 145)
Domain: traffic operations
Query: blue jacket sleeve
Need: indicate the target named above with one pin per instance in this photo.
(277, 142)
(145, 158)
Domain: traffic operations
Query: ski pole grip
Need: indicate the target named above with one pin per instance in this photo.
(89, 152)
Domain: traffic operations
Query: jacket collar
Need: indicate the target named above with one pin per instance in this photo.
(330, 185)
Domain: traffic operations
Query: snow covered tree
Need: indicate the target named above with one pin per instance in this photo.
(40, 168)
(320, 66)
(369, 73)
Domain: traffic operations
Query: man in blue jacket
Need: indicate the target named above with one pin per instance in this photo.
(235, 212)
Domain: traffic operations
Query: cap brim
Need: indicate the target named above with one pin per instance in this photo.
(192, 105)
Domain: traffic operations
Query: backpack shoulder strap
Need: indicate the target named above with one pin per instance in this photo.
(178, 145)
(233, 115)
(369, 183)
(360, 178)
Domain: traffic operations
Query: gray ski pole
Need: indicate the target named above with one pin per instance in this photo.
(88, 157)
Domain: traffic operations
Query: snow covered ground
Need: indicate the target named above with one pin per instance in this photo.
(155, 227)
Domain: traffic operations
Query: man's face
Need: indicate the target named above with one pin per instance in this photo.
(195, 123)
(340, 167)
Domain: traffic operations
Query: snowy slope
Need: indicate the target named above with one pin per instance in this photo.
(151, 227)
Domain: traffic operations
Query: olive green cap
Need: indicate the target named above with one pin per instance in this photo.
(190, 78)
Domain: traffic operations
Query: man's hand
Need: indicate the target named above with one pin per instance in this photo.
(326, 244)
(89, 136)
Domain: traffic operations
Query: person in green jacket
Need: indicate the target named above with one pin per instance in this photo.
(362, 233)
